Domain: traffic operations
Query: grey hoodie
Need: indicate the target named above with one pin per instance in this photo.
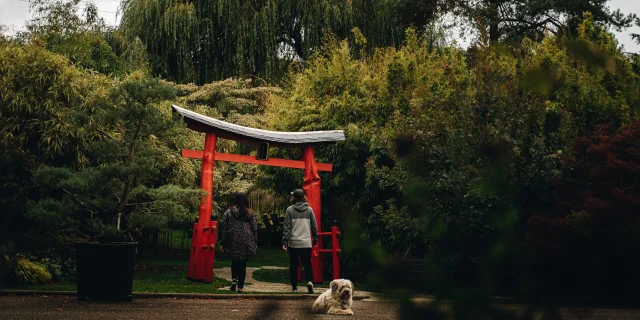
(299, 226)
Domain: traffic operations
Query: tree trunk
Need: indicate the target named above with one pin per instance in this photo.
(128, 185)
(297, 40)
(118, 223)
(494, 21)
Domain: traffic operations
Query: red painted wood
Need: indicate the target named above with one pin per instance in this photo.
(311, 187)
(191, 273)
(204, 216)
(197, 254)
(274, 162)
(335, 247)
(209, 250)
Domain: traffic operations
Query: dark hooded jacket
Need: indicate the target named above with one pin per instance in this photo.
(239, 238)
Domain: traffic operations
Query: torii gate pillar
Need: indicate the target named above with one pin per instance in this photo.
(203, 240)
(311, 186)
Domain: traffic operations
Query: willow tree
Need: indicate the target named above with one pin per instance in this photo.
(205, 40)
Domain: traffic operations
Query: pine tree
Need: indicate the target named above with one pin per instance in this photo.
(123, 186)
(510, 19)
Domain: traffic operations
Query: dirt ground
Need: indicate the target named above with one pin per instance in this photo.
(51, 307)
(36, 307)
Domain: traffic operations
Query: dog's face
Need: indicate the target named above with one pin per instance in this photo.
(342, 288)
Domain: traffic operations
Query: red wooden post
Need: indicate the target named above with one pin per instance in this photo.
(201, 257)
(335, 248)
(209, 250)
(206, 180)
(311, 186)
(191, 273)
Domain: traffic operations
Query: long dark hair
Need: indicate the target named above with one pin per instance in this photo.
(240, 200)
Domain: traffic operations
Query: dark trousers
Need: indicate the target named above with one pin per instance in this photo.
(239, 271)
(304, 254)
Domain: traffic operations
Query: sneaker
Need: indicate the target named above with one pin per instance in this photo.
(295, 291)
(309, 287)
(240, 290)
(233, 285)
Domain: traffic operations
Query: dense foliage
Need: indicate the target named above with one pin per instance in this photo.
(201, 41)
(91, 153)
(595, 223)
(111, 148)
(418, 122)
(21, 270)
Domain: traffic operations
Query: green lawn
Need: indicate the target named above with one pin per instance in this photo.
(281, 276)
(272, 275)
(264, 257)
(176, 239)
(153, 276)
(170, 274)
(43, 287)
(171, 277)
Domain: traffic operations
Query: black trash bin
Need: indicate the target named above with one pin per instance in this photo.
(104, 271)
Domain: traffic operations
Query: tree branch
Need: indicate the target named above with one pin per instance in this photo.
(139, 203)
(81, 203)
(77, 231)
(106, 134)
(556, 22)
(532, 25)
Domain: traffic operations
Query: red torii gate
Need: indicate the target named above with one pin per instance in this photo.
(201, 260)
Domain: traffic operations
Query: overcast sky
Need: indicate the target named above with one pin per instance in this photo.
(15, 12)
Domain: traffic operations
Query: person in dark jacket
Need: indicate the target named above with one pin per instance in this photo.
(300, 234)
(238, 236)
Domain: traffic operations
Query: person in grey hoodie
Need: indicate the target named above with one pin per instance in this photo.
(300, 234)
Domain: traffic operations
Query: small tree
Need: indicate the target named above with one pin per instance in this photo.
(124, 187)
(593, 234)
(603, 183)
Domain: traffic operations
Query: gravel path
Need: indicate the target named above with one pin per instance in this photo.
(255, 286)
(52, 307)
(38, 307)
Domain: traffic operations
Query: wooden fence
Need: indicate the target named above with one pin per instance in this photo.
(157, 243)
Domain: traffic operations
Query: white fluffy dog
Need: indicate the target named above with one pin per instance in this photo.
(337, 300)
